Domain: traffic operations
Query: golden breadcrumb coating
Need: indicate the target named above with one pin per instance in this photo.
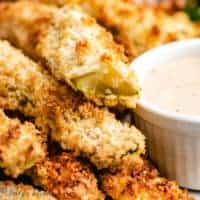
(11, 191)
(32, 19)
(140, 28)
(74, 122)
(141, 181)
(75, 48)
(66, 178)
(82, 53)
(21, 145)
(137, 27)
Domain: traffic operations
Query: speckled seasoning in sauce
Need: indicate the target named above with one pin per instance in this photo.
(175, 86)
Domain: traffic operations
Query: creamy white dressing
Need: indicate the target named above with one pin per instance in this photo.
(175, 86)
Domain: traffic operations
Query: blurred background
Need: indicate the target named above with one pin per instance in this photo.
(192, 7)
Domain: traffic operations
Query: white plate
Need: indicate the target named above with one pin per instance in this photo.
(196, 195)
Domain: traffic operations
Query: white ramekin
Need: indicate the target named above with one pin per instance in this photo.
(173, 139)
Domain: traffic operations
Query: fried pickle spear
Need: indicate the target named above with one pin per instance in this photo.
(75, 48)
(21, 145)
(137, 27)
(141, 181)
(11, 191)
(66, 178)
(33, 20)
(77, 124)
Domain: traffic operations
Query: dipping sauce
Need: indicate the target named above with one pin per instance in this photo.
(175, 86)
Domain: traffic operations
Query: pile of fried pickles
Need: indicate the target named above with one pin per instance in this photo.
(64, 79)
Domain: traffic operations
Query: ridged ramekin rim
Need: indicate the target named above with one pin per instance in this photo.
(153, 108)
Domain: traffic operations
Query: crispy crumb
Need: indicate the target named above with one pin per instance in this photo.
(75, 48)
(71, 120)
(138, 27)
(67, 178)
(141, 180)
(21, 145)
